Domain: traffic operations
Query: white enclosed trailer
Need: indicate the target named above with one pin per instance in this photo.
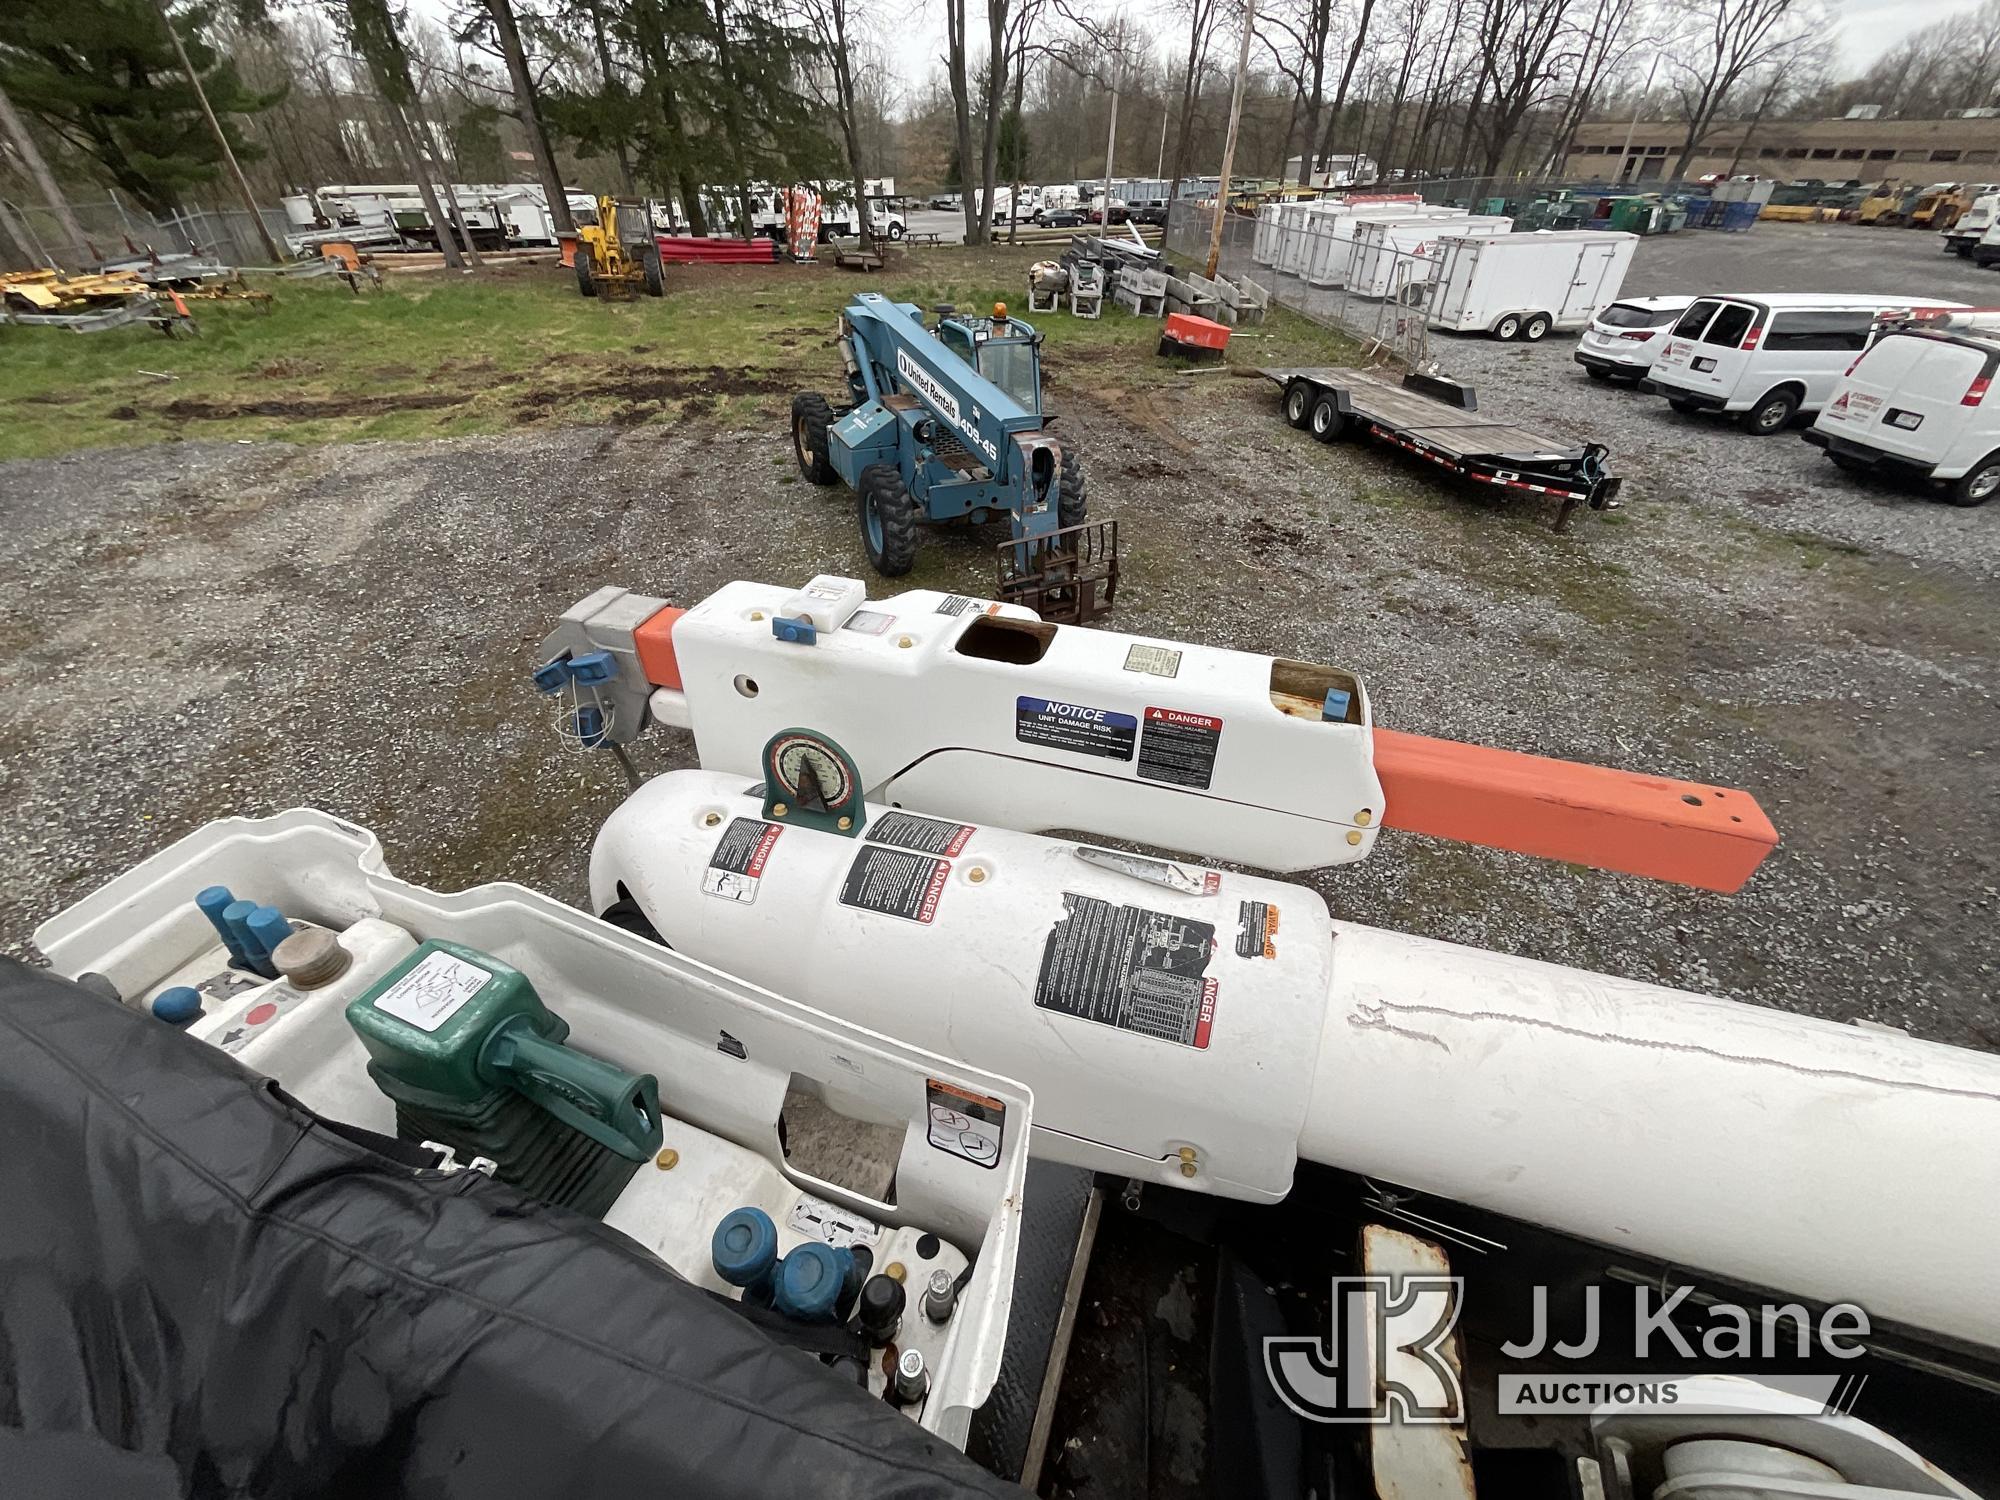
(1332, 245)
(1393, 252)
(1302, 226)
(1523, 285)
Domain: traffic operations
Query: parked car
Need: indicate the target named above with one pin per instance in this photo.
(947, 202)
(1121, 212)
(1917, 402)
(1152, 211)
(1764, 357)
(1059, 218)
(1624, 339)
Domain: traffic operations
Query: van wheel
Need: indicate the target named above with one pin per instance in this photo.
(1508, 328)
(1980, 483)
(1596, 374)
(1772, 411)
(1298, 403)
(1328, 422)
(1847, 463)
(1682, 405)
(1536, 328)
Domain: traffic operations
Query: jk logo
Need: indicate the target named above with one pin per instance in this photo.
(1385, 1359)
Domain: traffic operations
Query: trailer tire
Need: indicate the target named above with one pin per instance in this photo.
(1072, 500)
(1979, 484)
(812, 414)
(1536, 328)
(1329, 422)
(1298, 404)
(656, 271)
(585, 283)
(1774, 409)
(1508, 328)
(888, 520)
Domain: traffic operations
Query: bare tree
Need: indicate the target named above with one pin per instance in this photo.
(956, 45)
(1723, 41)
(832, 22)
(1202, 16)
(506, 29)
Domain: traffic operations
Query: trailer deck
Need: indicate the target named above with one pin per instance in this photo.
(1438, 420)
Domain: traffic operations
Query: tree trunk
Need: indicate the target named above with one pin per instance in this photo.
(996, 92)
(961, 104)
(850, 131)
(406, 146)
(1197, 55)
(1346, 76)
(619, 148)
(16, 130)
(529, 107)
(454, 213)
(1020, 85)
(732, 125)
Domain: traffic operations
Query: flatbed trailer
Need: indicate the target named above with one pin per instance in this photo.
(1437, 419)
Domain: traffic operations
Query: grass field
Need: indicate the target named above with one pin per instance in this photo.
(437, 355)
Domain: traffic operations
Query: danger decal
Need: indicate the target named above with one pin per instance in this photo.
(895, 883)
(1124, 966)
(736, 868)
(1179, 747)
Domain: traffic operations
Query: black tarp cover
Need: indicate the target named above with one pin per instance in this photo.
(204, 1290)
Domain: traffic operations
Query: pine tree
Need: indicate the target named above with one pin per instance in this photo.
(101, 76)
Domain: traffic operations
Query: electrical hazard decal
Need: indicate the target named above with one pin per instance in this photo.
(736, 868)
(895, 883)
(965, 1124)
(1179, 747)
(1256, 930)
(1075, 727)
(925, 835)
(1124, 966)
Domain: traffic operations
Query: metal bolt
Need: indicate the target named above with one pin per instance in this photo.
(778, 809)
(1364, 817)
(895, 1271)
(1189, 1169)
(846, 823)
(1187, 1153)
(1353, 835)
(667, 1160)
(709, 820)
(756, 614)
(976, 874)
(905, 642)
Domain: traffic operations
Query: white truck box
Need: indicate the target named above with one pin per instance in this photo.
(1565, 276)
(1332, 246)
(1391, 252)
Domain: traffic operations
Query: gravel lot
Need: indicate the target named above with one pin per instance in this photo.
(202, 629)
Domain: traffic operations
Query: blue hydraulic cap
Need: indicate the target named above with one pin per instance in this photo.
(236, 918)
(212, 903)
(178, 1006)
(744, 1247)
(1335, 707)
(593, 666)
(550, 676)
(590, 725)
(809, 1282)
(268, 928)
(798, 632)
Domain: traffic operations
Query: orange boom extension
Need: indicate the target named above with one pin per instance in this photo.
(1683, 831)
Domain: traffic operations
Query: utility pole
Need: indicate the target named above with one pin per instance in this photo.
(1229, 142)
(16, 130)
(1625, 153)
(1111, 145)
(221, 140)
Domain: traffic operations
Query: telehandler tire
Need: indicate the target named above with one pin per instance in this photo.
(812, 414)
(1072, 504)
(656, 271)
(584, 283)
(888, 520)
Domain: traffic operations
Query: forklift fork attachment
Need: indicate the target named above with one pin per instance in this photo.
(1068, 577)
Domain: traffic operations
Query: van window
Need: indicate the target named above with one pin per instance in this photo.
(1819, 330)
(1695, 319)
(1625, 315)
(1730, 325)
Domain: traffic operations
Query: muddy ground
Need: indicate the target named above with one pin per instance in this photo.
(205, 628)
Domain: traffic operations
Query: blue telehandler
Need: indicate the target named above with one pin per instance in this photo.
(943, 422)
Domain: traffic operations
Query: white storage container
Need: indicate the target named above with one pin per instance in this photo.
(1392, 254)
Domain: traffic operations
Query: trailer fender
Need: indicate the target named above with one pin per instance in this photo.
(1441, 388)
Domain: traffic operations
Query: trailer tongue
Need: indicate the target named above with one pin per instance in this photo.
(1438, 420)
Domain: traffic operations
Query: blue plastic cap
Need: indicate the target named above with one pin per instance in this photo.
(1335, 707)
(550, 676)
(213, 900)
(177, 1006)
(590, 725)
(593, 666)
(809, 1282)
(268, 928)
(744, 1246)
(798, 632)
(236, 919)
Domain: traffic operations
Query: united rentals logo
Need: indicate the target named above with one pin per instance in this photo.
(942, 401)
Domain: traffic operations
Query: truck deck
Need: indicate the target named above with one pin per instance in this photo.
(1438, 420)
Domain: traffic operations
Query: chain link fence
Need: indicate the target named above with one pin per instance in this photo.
(31, 235)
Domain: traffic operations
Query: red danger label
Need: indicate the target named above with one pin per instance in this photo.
(1205, 1017)
(763, 850)
(933, 891)
(1179, 747)
(1175, 716)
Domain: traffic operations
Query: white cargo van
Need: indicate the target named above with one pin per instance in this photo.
(1766, 356)
(1623, 340)
(1973, 223)
(1919, 402)
(1519, 286)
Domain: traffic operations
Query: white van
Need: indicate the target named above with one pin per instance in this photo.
(1624, 339)
(1918, 402)
(1764, 357)
(1972, 224)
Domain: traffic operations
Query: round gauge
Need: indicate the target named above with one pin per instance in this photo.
(810, 772)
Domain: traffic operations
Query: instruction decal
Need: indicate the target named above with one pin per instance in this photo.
(1076, 727)
(965, 1124)
(1158, 661)
(869, 621)
(1256, 930)
(434, 991)
(955, 604)
(817, 1219)
(736, 868)
(1124, 966)
(1179, 747)
(895, 883)
(925, 835)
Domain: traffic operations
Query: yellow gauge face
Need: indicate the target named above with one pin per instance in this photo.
(809, 773)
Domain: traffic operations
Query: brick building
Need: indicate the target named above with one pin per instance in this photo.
(1910, 151)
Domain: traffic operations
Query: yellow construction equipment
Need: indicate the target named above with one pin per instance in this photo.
(619, 255)
(1889, 204)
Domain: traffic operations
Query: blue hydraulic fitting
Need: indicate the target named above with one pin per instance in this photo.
(268, 928)
(551, 675)
(798, 632)
(593, 667)
(810, 1281)
(744, 1250)
(590, 726)
(178, 1006)
(236, 917)
(212, 903)
(1335, 707)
